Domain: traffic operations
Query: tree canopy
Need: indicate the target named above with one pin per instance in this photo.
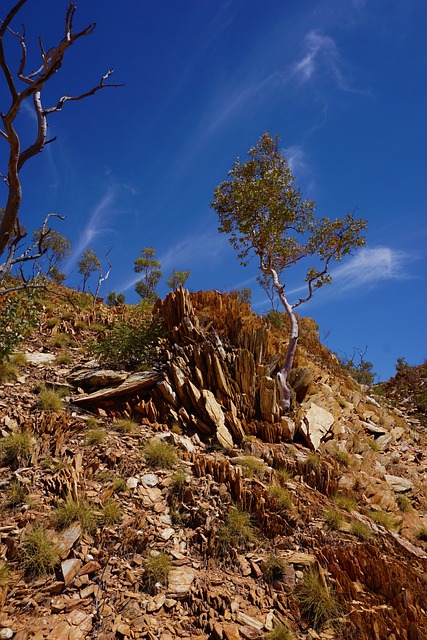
(265, 214)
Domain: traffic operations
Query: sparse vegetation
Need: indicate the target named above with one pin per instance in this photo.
(333, 518)
(75, 511)
(313, 461)
(92, 422)
(281, 496)
(16, 449)
(280, 632)
(384, 519)
(316, 602)
(95, 436)
(403, 502)
(252, 466)
(373, 444)
(37, 554)
(16, 494)
(130, 342)
(4, 573)
(19, 360)
(360, 530)
(284, 475)
(160, 454)
(60, 340)
(345, 502)
(8, 372)
(63, 358)
(50, 400)
(342, 457)
(237, 531)
(125, 426)
(275, 568)
(178, 483)
(157, 568)
(111, 513)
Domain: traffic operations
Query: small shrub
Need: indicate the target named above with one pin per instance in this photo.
(52, 322)
(8, 372)
(333, 518)
(237, 530)
(281, 496)
(131, 342)
(345, 502)
(16, 449)
(342, 457)
(373, 444)
(360, 530)
(92, 422)
(252, 466)
(157, 568)
(4, 574)
(54, 464)
(176, 428)
(275, 568)
(63, 358)
(37, 554)
(16, 494)
(60, 340)
(284, 475)
(316, 602)
(313, 461)
(18, 316)
(75, 511)
(125, 426)
(421, 534)
(95, 436)
(111, 513)
(384, 519)
(276, 318)
(50, 400)
(19, 360)
(403, 502)
(160, 454)
(119, 484)
(178, 483)
(280, 632)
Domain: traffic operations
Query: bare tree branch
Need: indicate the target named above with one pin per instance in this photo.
(51, 62)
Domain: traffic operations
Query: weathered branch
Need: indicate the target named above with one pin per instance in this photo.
(34, 84)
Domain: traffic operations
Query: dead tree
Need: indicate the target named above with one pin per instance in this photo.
(26, 86)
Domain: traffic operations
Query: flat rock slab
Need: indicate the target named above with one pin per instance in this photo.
(38, 358)
(89, 379)
(135, 382)
(398, 484)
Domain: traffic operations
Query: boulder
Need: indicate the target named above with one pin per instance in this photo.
(315, 424)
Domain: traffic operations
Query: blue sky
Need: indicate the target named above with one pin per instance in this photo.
(342, 82)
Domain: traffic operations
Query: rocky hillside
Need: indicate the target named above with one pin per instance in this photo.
(175, 502)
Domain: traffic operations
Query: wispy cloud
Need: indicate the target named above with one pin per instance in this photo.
(370, 267)
(367, 269)
(297, 159)
(95, 226)
(321, 57)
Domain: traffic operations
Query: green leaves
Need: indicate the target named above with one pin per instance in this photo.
(151, 270)
(265, 214)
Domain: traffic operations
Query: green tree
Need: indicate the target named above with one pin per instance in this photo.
(115, 299)
(55, 247)
(24, 85)
(177, 279)
(152, 272)
(264, 213)
(88, 264)
(244, 295)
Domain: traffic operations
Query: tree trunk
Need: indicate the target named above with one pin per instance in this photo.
(285, 393)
